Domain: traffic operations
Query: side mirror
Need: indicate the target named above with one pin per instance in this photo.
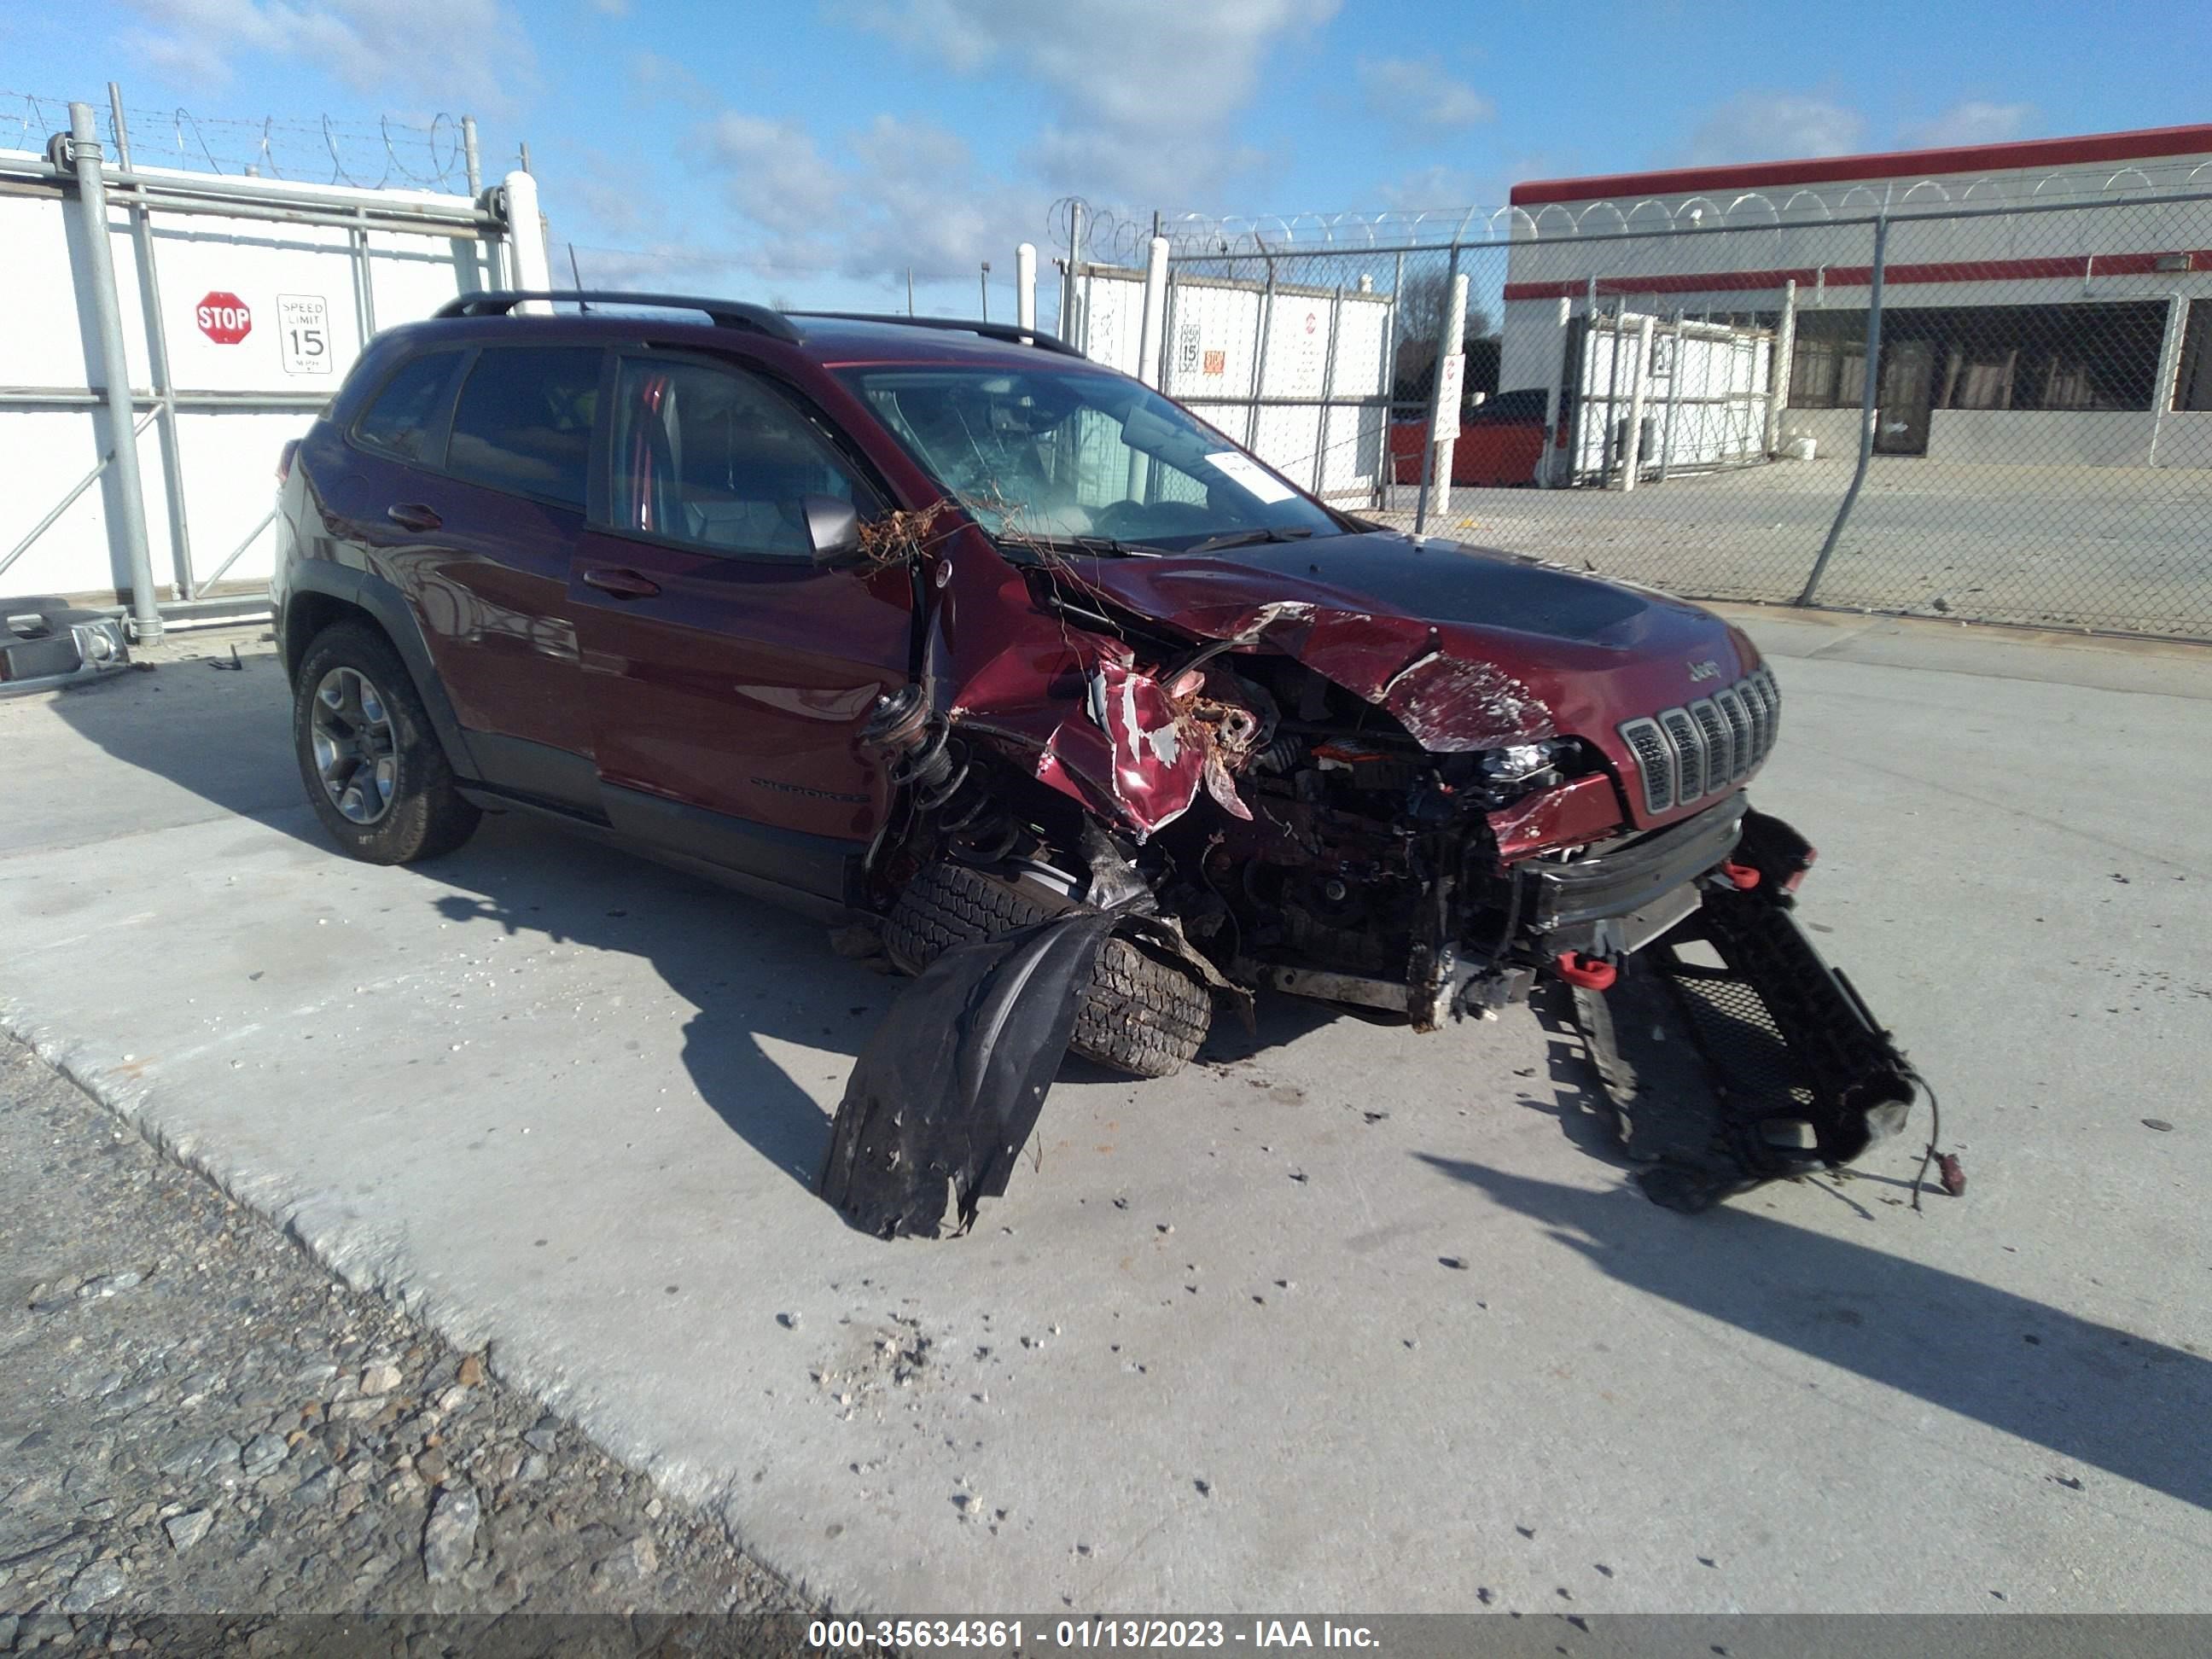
(833, 526)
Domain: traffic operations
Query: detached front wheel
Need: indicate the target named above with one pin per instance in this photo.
(374, 770)
(1139, 1014)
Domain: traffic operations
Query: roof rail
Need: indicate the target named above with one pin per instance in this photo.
(724, 313)
(1012, 333)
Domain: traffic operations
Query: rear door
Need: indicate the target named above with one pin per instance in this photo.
(485, 545)
(728, 677)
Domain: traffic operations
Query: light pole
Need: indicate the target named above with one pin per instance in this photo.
(985, 280)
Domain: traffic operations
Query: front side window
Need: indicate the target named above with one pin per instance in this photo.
(524, 422)
(1057, 456)
(410, 406)
(711, 457)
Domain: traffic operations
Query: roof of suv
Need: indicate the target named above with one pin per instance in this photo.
(828, 338)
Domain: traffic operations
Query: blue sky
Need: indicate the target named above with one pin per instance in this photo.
(815, 150)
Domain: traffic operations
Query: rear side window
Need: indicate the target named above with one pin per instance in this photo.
(413, 401)
(524, 422)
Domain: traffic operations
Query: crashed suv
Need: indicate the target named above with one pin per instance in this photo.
(1099, 721)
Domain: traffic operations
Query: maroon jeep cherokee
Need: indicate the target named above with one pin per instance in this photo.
(940, 624)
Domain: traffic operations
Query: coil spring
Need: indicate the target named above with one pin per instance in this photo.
(936, 769)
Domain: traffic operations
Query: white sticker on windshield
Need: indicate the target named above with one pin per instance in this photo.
(1241, 469)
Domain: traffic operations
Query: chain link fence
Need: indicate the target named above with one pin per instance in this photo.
(1995, 409)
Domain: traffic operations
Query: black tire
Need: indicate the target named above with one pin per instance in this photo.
(423, 815)
(1139, 1014)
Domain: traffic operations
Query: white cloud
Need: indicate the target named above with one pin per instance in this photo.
(1147, 87)
(899, 194)
(465, 52)
(1975, 121)
(1775, 126)
(774, 173)
(1418, 94)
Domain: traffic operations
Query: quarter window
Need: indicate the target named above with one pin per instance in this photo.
(404, 413)
(524, 422)
(713, 458)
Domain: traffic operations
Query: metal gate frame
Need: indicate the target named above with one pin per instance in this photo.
(76, 165)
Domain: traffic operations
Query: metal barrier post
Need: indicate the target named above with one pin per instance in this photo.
(2163, 378)
(130, 520)
(1327, 391)
(1780, 370)
(157, 341)
(1612, 399)
(1633, 448)
(1673, 396)
(1867, 410)
(1554, 392)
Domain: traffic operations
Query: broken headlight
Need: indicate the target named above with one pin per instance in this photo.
(1518, 762)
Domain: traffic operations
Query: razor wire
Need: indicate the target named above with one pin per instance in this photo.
(371, 155)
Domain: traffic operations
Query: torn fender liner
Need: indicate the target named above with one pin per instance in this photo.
(950, 1086)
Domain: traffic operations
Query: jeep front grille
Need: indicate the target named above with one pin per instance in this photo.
(1685, 754)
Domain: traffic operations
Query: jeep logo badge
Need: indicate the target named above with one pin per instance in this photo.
(1708, 670)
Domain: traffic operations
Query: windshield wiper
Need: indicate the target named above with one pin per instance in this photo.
(1095, 546)
(1247, 537)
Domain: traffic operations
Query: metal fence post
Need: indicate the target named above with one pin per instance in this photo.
(1025, 286)
(157, 342)
(1068, 300)
(1868, 415)
(130, 520)
(1452, 325)
(1259, 342)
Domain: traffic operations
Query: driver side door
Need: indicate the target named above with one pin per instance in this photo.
(728, 676)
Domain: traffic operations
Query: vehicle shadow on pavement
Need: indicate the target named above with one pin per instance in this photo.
(225, 736)
(748, 971)
(2090, 1392)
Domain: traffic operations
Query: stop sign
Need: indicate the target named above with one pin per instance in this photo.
(223, 318)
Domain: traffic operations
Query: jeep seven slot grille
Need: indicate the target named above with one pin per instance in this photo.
(1685, 754)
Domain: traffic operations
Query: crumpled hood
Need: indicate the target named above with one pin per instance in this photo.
(1468, 648)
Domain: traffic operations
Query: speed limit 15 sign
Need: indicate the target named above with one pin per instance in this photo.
(303, 334)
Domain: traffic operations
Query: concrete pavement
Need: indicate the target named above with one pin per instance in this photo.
(1345, 1319)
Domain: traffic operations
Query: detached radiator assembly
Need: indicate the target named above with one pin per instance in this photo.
(1730, 1054)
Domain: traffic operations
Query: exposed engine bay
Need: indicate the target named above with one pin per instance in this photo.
(1356, 807)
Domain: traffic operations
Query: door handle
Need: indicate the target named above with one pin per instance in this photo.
(413, 515)
(620, 583)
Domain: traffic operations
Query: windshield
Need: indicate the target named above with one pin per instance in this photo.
(1080, 456)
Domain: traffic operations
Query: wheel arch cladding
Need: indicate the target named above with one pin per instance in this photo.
(322, 594)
